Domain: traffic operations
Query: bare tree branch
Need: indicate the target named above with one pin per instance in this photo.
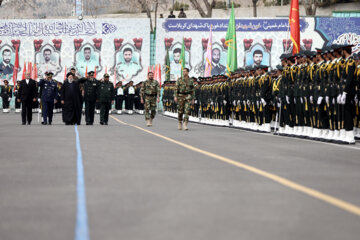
(209, 7)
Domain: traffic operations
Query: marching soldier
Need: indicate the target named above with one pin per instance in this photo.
(49, 97)
(6, 95)
(150, 95)
(105, 98)
(184, 96)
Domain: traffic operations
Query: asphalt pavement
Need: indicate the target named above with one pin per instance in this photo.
(161, 183)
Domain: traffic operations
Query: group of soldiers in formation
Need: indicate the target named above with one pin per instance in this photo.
(311, 95)
(49, 96)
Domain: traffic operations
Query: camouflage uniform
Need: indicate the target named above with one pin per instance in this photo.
(185, 93)
(149, 92)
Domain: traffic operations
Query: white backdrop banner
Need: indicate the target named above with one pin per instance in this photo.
(118, 46)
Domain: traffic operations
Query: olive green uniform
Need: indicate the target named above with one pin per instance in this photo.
(149, 92)
(105, 95)
(185, 93)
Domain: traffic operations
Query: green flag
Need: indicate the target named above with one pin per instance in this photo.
(167, 66)
(182, 56)
(230, 41)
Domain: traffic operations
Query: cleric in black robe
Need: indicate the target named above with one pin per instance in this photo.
(71, 101)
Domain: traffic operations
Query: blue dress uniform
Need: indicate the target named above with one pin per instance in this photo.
(49, 94)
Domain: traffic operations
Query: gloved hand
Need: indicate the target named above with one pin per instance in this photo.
(343, 98)
(301, 100)
(38, 99)
(278, 105)
(319, 100)
(244, 102)
(234, 103)
(211, 103)
(263, 102)
(338, 99)
(295, 100)
(311, 99)
(327, 100)
(9, 99)
(257, 104)
(333, 101)
(287, 99)
(356, 100)
(196, 101)
(224, 101)
(238, 102)
(248, 102)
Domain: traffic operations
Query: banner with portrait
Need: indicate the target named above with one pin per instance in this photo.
(109, 45)
(259, 41)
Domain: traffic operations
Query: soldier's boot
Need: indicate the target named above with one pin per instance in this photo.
(180, 125)
(148, 123)
(185, 125)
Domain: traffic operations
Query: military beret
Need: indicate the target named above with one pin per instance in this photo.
(91, 72)
(6, 81)
(49, 74)
(106, 75)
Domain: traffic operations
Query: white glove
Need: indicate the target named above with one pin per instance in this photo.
(301, 100)
(211, 103)
(327, 100)
(356, 99)
(9, 99)
(39, 100)
(244, 102)
(238, 102)
(224, 102)
(263, 102)
(248, 102)
(319, 100)
(333, 101)
(295, 100)
(257, 104)
(278, 105)
(195, 101)
(338, 99)
(234, 103)
(343, 98)
(287, 99)
(311, 99)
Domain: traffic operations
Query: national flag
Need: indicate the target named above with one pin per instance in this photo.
(208, 58)
(167, 66)
(95, 73)
(230, 41)
(106, 69)
(16, 66)
(182, 56)
(65, 74)
(35, 72)
(294, 22)
(24, 71)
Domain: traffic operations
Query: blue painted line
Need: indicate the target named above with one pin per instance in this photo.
(82, 227)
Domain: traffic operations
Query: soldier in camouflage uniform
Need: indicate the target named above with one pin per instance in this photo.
(184, 96)
(150, 92)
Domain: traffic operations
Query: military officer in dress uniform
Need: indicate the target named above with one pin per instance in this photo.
(16, 94)
(90, 92)
(105, 97)
(119, 98)
(49, 98)
(6, 95)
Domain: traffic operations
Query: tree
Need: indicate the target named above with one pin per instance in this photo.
(310, 7)
(254, 7)
(208, 7)
(147, 6)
